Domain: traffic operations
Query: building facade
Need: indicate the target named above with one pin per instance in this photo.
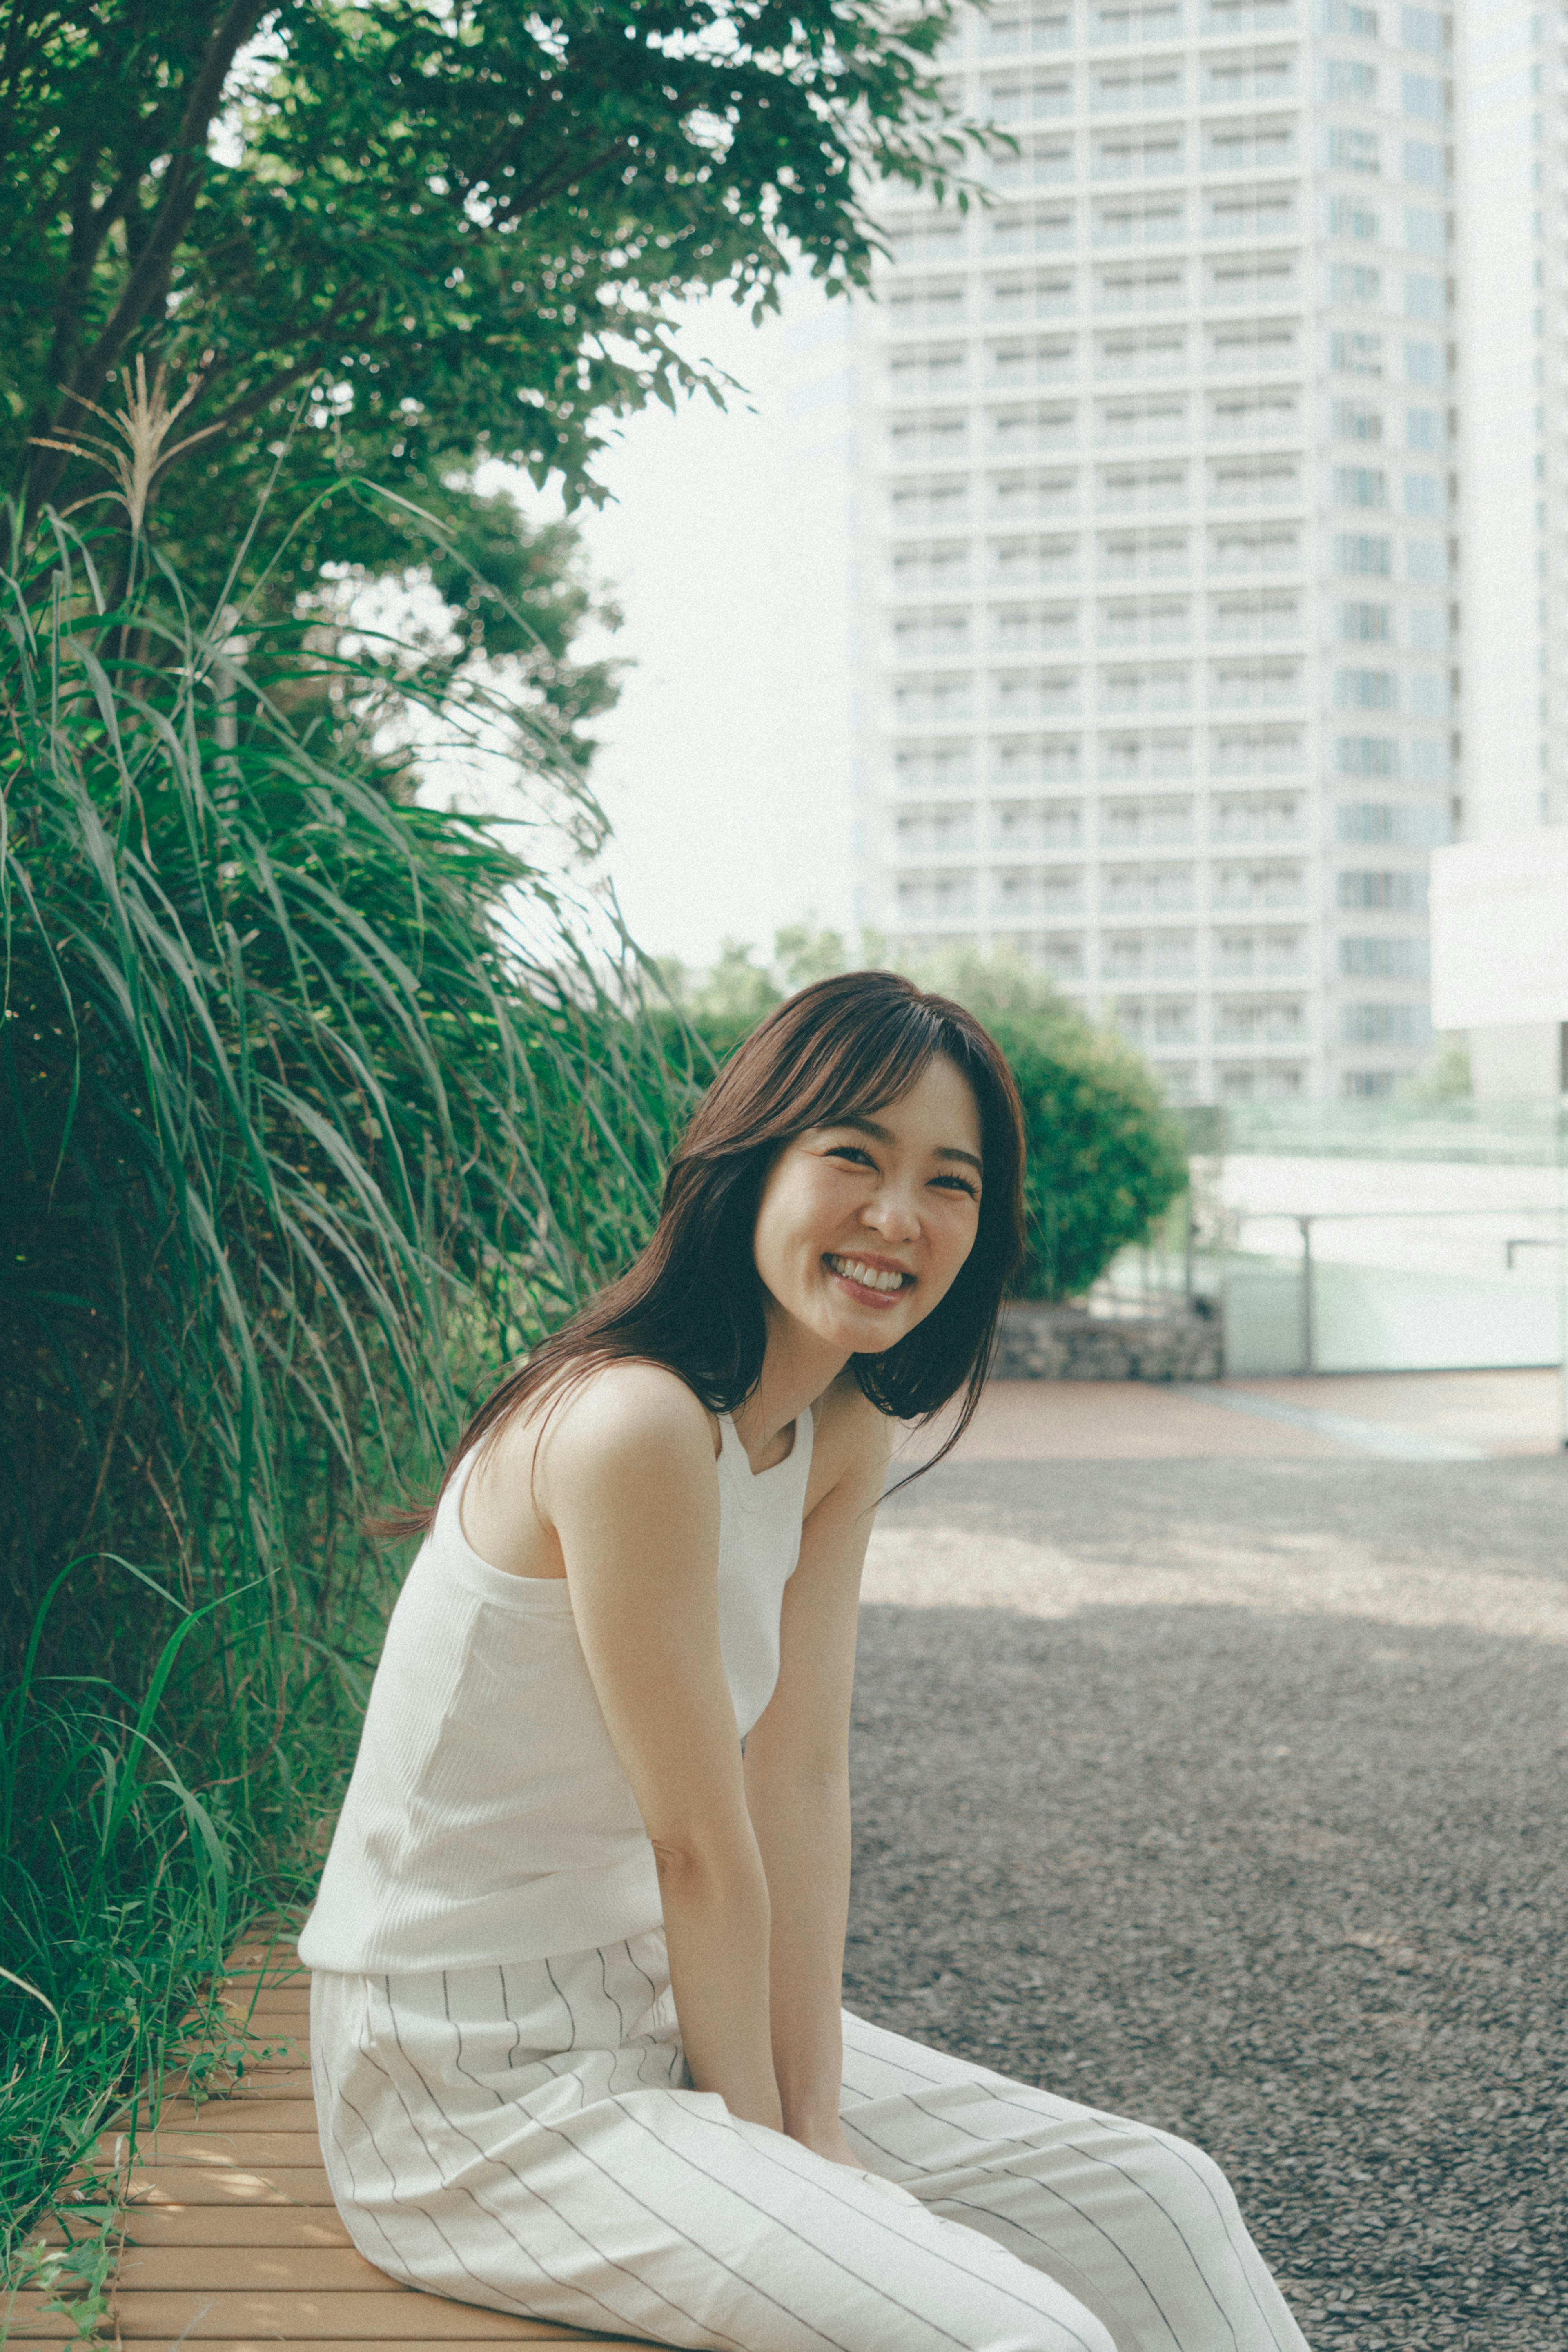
(1158, 532)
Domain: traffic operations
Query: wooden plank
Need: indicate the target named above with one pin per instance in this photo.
(273, 2269)
(528, 2331)
(236, 2225)
(227, 2115)
(278, 2184)
(395, 2317)
(249, 2147)
(23, 2318)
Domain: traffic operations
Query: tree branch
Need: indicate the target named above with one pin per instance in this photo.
(148, 282)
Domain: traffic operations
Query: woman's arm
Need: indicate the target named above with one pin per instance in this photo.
(626, 1475)
(797, 1782)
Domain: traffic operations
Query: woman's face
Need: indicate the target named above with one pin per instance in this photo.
(862, 1227)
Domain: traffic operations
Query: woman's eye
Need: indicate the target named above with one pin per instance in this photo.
(851, 1151)
(960, 1184)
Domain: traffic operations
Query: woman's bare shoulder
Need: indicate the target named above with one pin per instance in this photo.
(619, 1415)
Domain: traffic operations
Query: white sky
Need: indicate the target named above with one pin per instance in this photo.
(728, 765)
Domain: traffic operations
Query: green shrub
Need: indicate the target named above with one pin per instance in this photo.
(316, 1110)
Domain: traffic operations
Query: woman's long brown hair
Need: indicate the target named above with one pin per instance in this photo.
(693, 1299)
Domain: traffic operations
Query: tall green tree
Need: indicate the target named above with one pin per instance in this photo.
(388, 238)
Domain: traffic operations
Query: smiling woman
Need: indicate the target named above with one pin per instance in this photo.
(577, 2028)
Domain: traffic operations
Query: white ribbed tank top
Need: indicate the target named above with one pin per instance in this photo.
(487, 1818)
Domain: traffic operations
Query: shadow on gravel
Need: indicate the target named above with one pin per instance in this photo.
(1292, 1885)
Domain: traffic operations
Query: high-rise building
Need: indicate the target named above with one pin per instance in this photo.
(1158, 531)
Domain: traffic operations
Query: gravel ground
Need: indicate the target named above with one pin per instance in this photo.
(1231, 1794)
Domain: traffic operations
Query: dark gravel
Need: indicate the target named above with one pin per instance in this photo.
(1293, 1885)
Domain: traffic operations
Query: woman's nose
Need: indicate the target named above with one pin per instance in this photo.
(893, 1212)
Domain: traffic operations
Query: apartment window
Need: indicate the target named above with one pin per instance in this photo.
(1352, 281)
(1234, 146)
(1426, 166)
(1020, 496)
(1044, 295)
(939, 305)
(1255, 751)
(1367, 755)
(1347, 17)
(917, 439)
(1365, 624)
(1134, 20)
(1359, 1085)
(1359, 486)
(1354, 421)
(1249, 212)
(1425, 497)
(1355, 151)
(1258, 816)
(1426, 562)
(1352, 217)
(1423, 97)
(1146, 890)
(1256, 281)
(1352, 354)
(1383, 958)
(1040, 891)
(1425, 231)
(1158, 555)
(1032, 432)
(1422, 29)
(1255, 548)
(1349, 82)
(1238, 618)
(1147, 824)
(927, 240)
(1018, 827)
(1038, 760)
(1116, 88)
(1365, 689)
(933, 767)
(1406, 826)
(1133, 220)
(1260, 883)
(1018, 28)
(941, 831)
(1424, 429)
(931, 637)
(1019, 101)
(1424, 297)
(1033, 229)
(1265, 78)
(1384, 893)
(922, 503)
(936, 897)
(1354, 552)
(1137, 154)
(1041, 162)
(1034, 562)
(1384, 1025)
(922, 373)
(1252, 416)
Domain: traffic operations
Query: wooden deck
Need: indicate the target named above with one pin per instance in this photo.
(231, 2240)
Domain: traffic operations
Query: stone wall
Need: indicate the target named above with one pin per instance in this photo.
(1040, 1342)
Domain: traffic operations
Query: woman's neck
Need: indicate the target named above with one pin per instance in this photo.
(797, 1368)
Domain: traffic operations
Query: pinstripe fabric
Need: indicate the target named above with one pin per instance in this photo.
(526, 2137)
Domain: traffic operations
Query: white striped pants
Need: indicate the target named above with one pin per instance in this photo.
(526, 2137)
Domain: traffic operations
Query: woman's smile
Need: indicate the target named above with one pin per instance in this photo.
(874, 1282)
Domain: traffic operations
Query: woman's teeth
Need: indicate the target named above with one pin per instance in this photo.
(870, 1278)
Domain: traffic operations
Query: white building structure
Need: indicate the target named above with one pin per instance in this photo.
(1158, 531)
(1501, 898)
